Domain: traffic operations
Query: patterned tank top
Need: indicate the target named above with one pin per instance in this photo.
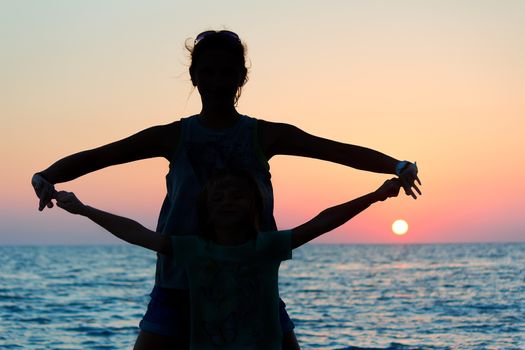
(199, 153)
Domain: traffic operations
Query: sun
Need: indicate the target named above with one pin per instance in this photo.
(400, 227)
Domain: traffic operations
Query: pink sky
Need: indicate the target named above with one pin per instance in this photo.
(437, 82)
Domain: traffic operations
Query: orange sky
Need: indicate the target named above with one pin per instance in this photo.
(439, 82)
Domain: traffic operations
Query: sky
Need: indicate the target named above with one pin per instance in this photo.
(437, 82)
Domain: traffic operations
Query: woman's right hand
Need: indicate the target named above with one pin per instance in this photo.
(44, 190)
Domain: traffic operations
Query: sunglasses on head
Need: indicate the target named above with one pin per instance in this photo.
(226, 33)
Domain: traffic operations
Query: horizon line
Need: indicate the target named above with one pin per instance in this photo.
(117, 244)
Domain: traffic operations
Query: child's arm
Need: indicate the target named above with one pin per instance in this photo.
(334, 217)
(124, 228)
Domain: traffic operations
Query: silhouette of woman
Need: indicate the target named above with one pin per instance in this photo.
(218, 137)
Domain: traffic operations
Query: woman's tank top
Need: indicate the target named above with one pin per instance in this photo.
(200, 152)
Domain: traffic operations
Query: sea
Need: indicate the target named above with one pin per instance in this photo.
(395, 297)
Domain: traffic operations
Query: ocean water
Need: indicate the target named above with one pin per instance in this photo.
(464, 296)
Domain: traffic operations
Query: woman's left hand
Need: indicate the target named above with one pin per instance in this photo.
(407, 173)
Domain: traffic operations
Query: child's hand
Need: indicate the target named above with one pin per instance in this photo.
(69, 202)
(388, 189)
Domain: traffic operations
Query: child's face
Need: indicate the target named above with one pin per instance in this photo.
(230, 203)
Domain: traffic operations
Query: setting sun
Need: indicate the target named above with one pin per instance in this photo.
(400, 227)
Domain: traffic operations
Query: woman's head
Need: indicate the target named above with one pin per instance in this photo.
(230, 200)
(218, 65)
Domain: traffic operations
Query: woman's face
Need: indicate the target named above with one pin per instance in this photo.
(217, 77)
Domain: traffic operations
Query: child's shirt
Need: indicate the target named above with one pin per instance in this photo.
(234, 290)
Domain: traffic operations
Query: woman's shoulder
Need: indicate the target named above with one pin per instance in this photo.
(160, 129)
(171, 126)
(170, 130)
(272, 126)
(165, 137)
(269, 133)
(167, 131)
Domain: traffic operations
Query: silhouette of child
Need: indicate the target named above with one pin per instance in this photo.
(232, 267)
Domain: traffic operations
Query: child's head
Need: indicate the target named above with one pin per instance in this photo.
(218, 63)
(231, 201)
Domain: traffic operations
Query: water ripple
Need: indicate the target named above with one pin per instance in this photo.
(352, 297)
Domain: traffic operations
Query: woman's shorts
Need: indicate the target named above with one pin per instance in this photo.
(168, 313)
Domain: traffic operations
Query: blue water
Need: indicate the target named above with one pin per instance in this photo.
(469, 296)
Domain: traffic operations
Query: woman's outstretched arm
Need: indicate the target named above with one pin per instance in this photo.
(286, 139)
(157, 141)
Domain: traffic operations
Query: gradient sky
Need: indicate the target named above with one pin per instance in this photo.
(437, 82)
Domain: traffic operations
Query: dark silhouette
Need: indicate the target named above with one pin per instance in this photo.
(232, 267)
(217, 137)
